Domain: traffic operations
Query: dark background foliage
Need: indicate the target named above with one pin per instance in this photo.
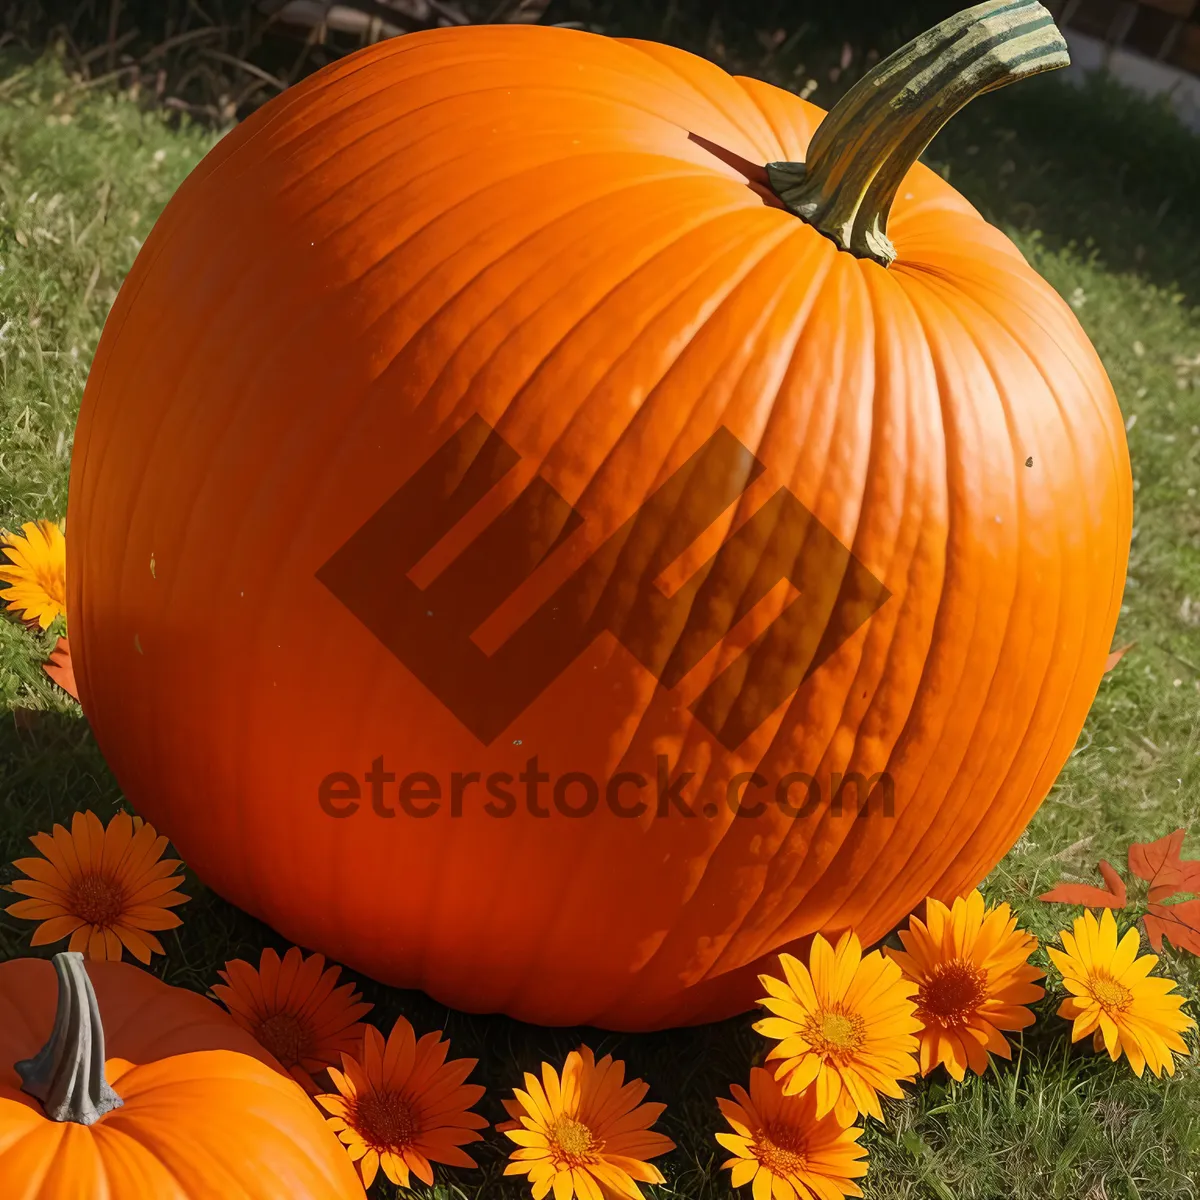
(1112, 175)
(209, 53)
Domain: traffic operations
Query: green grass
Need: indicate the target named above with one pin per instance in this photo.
(1096, 188)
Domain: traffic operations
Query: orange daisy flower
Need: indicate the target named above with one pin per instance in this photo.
(34, 565)
(846, 1023)
(105, 888)
(971, 965)
(587, 1135)
(784, 1149)
(402, 1106)
(296, 1010)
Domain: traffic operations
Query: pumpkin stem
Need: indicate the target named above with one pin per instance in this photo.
(67, 1075)
(870, 139)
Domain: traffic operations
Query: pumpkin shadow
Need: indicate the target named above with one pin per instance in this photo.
(50, 767)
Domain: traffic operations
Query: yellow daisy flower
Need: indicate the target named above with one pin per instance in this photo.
(104, 887)
(783, 1149)
(971, 966)
(845, 1024)
(586, 1136)
(1116, 999)
(34, 565)
(403, 1106)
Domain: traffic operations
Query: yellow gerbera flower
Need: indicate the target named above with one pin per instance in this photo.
(784, 1149)
(971, 965)
(296, 1010)
(34, 565)
(587, 1135)
(1116, 999)
(105, 887)
(846, 1023)
(403, 1106)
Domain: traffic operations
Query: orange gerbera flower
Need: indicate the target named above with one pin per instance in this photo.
(106, 888)
(402, 1106)
(781, 1146)
(587, 1135)
(296, 1010)
(34, 565)
(971, 964)
(1116, 999)
(845, 1023)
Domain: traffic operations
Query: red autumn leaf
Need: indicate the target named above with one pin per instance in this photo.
(60, 668)
(1168, 875)
(1160, 865)
(1116, 656)
(1178, 923)
(1088, 896)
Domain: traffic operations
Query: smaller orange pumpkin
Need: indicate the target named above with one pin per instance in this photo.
(188, 1106)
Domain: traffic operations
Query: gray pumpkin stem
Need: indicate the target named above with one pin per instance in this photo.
(67, 1074)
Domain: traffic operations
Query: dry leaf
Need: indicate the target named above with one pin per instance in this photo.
(1178, 923)
(1168, 875)
(1116, 656)
(60, 668)
(1160, 865)
(1088, 896)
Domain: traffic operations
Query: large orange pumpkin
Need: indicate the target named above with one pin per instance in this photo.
(401, 475)
(120, 1087)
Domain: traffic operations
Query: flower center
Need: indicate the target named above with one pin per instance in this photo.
(572, 1143)
(97, 899)
(1109, 993)
(286, 1036)
(385, 1120)
(832, 1031)
(953, 991)
(781, 1150)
